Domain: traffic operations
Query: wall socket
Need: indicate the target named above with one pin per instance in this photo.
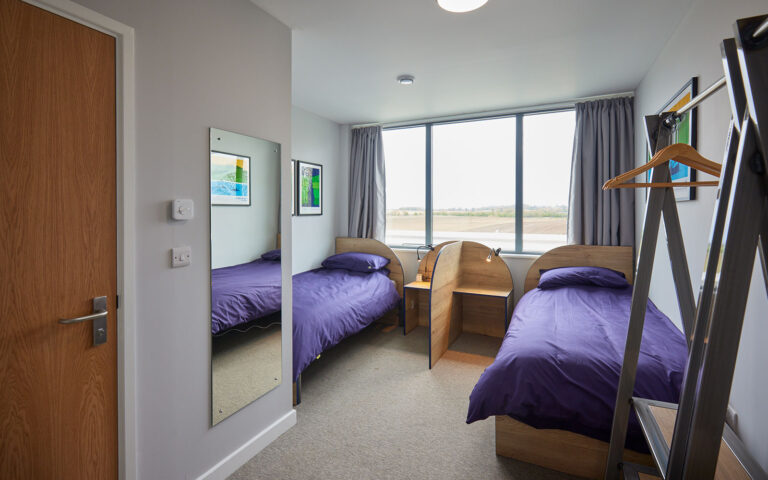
(181, 256)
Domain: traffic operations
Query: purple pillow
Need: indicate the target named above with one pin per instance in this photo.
(273, 255)
(569, 276)
(356, 262)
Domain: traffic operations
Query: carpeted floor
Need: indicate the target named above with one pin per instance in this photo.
(244, 366)
(372, 409)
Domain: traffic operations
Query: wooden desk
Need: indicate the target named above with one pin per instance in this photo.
(465, 294)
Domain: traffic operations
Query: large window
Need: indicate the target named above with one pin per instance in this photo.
(503, 181)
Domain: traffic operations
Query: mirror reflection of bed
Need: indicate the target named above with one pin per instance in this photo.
(246, 330)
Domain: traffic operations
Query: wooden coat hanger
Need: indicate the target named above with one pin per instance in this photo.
(680, 152)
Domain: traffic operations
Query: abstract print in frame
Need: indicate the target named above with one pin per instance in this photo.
(309, 179)
(684, 133)
(230, 179)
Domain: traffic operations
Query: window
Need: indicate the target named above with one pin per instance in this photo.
(547, 150)
(404, 154)
(474, 180)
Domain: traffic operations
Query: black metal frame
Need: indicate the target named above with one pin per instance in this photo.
(739, 229)
(298, 194)
(428, 223)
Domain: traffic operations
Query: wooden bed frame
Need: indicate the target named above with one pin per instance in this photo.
(562, 450)
(396, 274)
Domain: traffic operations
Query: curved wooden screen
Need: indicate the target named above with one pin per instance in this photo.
(369, 245)
(444, 313)
(477, 271)
(427, 263)
(615, 258)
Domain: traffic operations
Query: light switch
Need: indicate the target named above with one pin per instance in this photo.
(183, 209)
(181, 256)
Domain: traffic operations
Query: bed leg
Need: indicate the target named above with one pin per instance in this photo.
(297, 391)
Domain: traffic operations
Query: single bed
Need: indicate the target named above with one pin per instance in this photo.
(244, 293)
(552, 386)
(330, 305)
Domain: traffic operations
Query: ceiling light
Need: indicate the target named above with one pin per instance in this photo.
(461, 6)
(405, 79)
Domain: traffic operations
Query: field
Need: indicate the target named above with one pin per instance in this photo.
(541, 233)
(461, 223)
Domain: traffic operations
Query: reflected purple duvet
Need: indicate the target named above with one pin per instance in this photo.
(560, 360)
(244, 292)
(330, 305)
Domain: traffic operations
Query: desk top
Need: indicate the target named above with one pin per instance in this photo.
(468, 289)
(483, 290)
(419, 285)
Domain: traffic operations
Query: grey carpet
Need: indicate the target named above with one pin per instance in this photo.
(244, 366)
(372, 409)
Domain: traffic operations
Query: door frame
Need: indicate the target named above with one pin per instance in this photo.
(126, 218)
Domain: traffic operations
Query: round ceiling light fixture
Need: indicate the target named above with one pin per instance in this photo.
(461, 6)
(405, 79)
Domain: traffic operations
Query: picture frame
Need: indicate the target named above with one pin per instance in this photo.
(293, 187)
(309, 188)
(230, 179)
(686, 132)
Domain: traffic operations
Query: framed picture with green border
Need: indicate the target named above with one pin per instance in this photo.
(685, 132)
(230, 179)
(309, 186)
(293, 188)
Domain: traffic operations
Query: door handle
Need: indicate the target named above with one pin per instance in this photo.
(99, 317)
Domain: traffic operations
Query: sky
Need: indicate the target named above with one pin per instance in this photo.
(474, 162)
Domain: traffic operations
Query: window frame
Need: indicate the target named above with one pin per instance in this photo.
(519, 184)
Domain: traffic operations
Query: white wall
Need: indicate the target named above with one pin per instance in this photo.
(693, 50)
(198, 64)
(240, 234)
(318, 140)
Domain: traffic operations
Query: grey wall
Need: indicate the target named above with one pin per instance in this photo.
(198, 64)
(318, 140)
(240, 234)
(693, 50)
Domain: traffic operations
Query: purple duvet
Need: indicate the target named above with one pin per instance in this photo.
(332, 304)
(560, 360)
(245, 292)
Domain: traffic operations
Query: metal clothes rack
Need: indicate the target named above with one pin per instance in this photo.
(712, 325)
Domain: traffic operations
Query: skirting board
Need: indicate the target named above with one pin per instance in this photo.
(559, 450)
(239, 457)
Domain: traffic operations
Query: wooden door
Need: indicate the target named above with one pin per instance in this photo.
(58, 392)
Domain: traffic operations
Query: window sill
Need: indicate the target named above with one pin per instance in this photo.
(518, 256)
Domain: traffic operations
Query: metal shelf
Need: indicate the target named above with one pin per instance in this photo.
(657, 421)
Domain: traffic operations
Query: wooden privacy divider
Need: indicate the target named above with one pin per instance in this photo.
(444, 324)
(467, 293)
(427, 264)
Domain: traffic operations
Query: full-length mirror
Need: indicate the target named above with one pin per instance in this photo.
(245, 270)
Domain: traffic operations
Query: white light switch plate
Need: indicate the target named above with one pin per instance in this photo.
(181, 256)
(183, 209)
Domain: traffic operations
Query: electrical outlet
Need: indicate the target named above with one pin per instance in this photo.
(181, 256)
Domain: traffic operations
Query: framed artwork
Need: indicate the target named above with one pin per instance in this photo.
(293, 187)
(230, 179)
(684, 133)
(309, 184)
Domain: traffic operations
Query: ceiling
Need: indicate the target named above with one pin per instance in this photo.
(347, 54)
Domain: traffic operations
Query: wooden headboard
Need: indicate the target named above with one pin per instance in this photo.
(615, 258)
(369, 245)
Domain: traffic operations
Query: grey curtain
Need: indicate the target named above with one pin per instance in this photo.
(603, 147)
(367, 186)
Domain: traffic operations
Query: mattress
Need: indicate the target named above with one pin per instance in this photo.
(242, 293)
(332, 304)
(559, 363)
